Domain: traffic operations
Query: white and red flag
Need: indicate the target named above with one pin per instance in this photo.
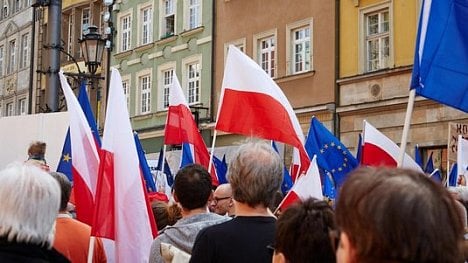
(122, 210)
(85, 154)
(252, 104)
(182, 128)
(306, 186)
(379, 150)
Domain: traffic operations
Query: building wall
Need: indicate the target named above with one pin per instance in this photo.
(381, 96)
(245, 22)
(164, 51)
(15, 26)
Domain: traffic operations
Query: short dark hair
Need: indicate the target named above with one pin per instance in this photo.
(303, 232)
(65, 188)
(192, 186)
(399, 215)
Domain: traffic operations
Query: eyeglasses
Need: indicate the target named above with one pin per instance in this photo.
(271, 249)
(217, 199)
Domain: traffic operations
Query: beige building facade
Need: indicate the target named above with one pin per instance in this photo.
(293, 43)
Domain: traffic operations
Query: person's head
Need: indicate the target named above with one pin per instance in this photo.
(192, 187)
(397, 215)
(36, 155)
(222, 203)
(160, 213)
(255, 174)
(30, 200)
(65, 189)
(303, 233)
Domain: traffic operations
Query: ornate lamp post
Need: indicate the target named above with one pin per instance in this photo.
(92, 46)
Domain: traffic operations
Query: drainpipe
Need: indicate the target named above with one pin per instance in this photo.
(336, 117)
(31, 60)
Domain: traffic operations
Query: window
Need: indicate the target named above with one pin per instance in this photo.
(193, 82)
(85, 19)
(167, 83)
(9, 109)
(193, 14)
(168, 18)
(5, 9)
(301, 49)
(145, 92)
(126, 90)
(126, 27)
(70, 36)
(17, 5)
(22, 107)
(12, 58)
(239, 43)
(24, 51)
(1, 60)
(377, 40)
(26, 3)
(146, 25)
(266, 54)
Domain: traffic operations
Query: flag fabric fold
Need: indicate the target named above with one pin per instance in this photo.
(379, 150)
(221, 169)
(85, 154)
(65, 164)
(332, 156)
(252, 104)
(440, 70)
(453, 176)
(166, 170)
(182, 129)
(417, 156)
(122, 210)
(306, 186)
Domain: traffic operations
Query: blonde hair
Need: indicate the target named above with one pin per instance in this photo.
(30, 200)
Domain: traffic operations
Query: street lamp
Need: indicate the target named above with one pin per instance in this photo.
(92, 46)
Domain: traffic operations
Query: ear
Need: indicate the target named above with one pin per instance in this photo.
(346, 252)
(278, 257)
(175, 197)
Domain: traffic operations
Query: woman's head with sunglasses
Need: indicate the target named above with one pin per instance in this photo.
(396, 215)
(303, 233)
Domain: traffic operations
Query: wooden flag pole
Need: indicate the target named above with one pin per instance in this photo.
(91, 249)
(406, 127)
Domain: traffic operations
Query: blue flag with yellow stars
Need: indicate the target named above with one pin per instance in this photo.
(332, 156)
(65, 164)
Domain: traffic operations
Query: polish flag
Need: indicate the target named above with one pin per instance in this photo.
(306, 186)
(85, 156)
(181, 128)
(122, 210)
(252, 104)
(379, 150)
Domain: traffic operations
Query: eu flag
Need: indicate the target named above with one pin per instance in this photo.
(65, 164)
(332, 156)
(187, 156)
(417, 156)
(287, 179)
(221, 169)
(329, 189)
(440, 70)
(146, 171)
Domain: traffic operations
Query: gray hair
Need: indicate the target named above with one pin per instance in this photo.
(30, 200)
(255, 173)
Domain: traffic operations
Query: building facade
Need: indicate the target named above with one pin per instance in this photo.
(156, 40)
(376, 56)
(15, 56)
(294, 44)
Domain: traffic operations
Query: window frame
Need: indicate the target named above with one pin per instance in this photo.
(22, 106)
(148, 92)
(188, 7)
(2, 59)
(127, 32)
(186, 79)
(24, 59)
(11, 56)
(164, 16)
(290, 54)
(362, 47)
(257, 49)
(162, 86)
(149, 24)
(9, 109)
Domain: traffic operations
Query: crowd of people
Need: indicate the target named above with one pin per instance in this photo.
(382, 215)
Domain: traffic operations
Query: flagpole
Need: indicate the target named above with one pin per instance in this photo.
(163, 158)
(406, 127)
(212, 149)
(91, 249)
